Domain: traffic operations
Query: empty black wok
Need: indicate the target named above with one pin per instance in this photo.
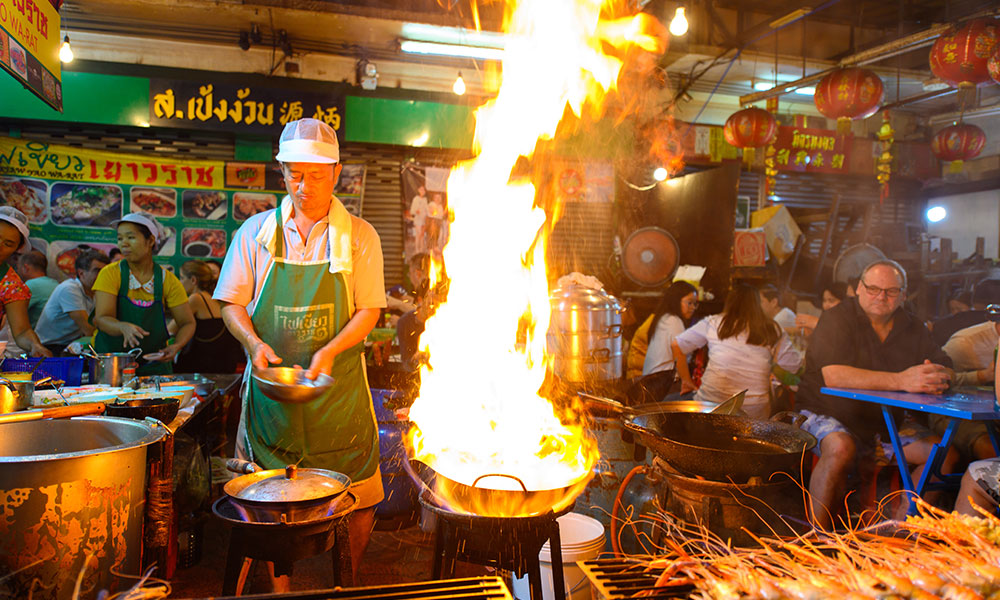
(723, 447)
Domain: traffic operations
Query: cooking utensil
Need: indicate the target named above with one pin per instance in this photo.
(108, 368)
(487, 496)
(585, 334)
(56, 412)
(203, 386)
(607, 405)
(284, 495)
(722, 447)
(15, 395)
(289, 385)
(140, 406)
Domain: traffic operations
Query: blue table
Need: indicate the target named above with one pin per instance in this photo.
(968, 405)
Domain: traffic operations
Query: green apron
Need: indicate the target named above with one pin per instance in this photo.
(301, 307)
(152, 318)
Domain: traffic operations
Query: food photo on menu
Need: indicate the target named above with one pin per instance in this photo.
(30, 196)
(18, 59)
(85, 204)
(204, 204)
(159, 202)
(247, 204)
(63, 253)
(197, 242)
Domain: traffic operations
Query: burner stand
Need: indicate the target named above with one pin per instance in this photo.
(284, 543)
(508, 543)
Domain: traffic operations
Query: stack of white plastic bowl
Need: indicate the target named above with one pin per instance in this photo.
(581, 538)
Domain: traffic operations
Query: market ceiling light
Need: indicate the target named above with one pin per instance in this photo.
(936, 213)
(762, 86)
(459, 86)
(660, 174)
(453, 35)
(679, 24)
(65, 52)
(455, 50)
(806, 91)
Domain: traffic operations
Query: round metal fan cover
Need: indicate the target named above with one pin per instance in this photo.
(650, 257)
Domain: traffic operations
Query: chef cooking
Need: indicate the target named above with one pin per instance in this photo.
(302, 286)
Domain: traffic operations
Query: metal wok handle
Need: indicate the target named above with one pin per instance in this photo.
(792, 418)
(241, 466)
(514, 477)
(135, 352)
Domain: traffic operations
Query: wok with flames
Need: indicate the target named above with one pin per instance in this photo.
(492, 494)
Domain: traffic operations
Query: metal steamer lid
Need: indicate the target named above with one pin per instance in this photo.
(579, 297)
(293, 485)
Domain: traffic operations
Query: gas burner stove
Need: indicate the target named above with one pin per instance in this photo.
(471, 588)
(507, 543)
(621, 578)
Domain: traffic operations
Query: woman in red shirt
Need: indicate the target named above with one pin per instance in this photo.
(14, 295)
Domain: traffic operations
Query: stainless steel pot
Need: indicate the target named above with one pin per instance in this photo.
(585, 334)
(72, 493)
(108, 368)
(15, 395)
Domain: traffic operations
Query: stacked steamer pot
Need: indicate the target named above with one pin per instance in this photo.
(585, 335)
(585, 339)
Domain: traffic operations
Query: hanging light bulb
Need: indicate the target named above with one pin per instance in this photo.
(459, 86)
(679, 24)
(65, 52)
(660, 174)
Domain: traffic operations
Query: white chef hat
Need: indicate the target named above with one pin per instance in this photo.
(149, 222)
(308, 141)
(11, 215)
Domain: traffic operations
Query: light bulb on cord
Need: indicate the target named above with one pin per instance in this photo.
(459, 86)
(660, 174)
(65, 52)
(679, 24)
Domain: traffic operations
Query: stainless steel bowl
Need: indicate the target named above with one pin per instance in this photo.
(285, 384)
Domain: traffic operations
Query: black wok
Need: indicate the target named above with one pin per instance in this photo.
(723, 447)
(161, 409)
(484, 497)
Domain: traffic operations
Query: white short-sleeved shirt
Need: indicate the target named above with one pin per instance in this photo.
(659, 355)
(55, 326)
(247, 262)
(734, 365)
(972, 348)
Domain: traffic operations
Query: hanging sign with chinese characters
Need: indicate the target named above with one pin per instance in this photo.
(29, 47)
(236, 108)
(811, 150)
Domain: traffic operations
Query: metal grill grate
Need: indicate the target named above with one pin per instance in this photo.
(471, 588)
(615, 578)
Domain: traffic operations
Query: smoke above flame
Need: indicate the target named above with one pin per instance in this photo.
(479, 419)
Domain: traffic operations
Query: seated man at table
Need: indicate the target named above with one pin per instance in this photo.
(972, 352)
(985, 293)
(980, 488)
(867, 342)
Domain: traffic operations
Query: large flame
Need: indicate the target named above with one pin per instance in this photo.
(479, 411)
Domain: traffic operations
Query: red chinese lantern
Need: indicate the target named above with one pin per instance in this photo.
(846, 94)
(750, 128)
(993, 65)
(961, 57)
(957, 143)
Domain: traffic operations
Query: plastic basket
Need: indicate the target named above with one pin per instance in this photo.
(68, 369)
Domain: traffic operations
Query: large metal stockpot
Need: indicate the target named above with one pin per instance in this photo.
(585, 334)
(72, 502)
(108, 368)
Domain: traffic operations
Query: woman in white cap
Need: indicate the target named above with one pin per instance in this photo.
(14, 295)
(131, 298)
